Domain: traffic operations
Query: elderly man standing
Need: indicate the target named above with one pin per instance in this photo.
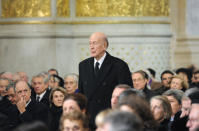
(99, 74)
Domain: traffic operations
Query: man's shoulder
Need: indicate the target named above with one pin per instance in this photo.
(117, 60)
(88, 60)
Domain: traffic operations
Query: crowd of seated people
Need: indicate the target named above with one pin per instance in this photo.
(55, 103)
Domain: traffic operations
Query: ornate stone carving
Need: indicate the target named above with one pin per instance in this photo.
(109, 8)
(25, 8)
(63, 9)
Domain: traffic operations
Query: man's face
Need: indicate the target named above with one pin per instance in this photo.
(115, 96)
(70, 84)
(12, 96)
(39, 85)
(193, 121)
(166, 79)
(23, 91)
(186, 106)
(97, 46)
(196, 77)
(175, 106)
(3, 85)
(138, 81)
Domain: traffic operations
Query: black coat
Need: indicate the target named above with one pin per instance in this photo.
(98, 90)
(56, 113)
(45, 98)
(34, 112)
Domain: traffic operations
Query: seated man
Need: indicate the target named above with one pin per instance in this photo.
(116, 93)
(27, 109)
(176, 122)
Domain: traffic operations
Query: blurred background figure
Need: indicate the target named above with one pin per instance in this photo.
(74, 121)
(74, 102)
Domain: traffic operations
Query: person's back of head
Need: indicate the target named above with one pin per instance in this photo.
(122, 121)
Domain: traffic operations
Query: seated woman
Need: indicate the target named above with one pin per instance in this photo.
(74, 121)
(132, 102)
(74, 102)
(56, 101)
(161, 109)
(177, 82)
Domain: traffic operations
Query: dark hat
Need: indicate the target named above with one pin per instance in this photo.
(194, 97)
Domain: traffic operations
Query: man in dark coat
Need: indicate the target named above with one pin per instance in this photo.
(26, 109)
(99, 74)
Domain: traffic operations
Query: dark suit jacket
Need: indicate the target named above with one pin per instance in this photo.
(34, 111)
(98, 90)
(45, 98)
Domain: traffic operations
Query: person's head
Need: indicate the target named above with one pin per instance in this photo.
(74, 102)
(53, 71)
(177, 82)
(58, 81)
(196, 77)
(23, 76)
(4, 82)
(186, 106)
(57, 96)
(99, 119)
(122, 121)
(11, 93)
(137, 104)
(193, 122)
(174, 96)
(140, 79)
(161, 108)
(22, 90)
(166, 78)
(7, 75)
(98, 44)
(116, 93)
(185, 73)
(33, 126)
(71, 83)
(152, 72)
(40, 83)
(74, 121)
(16, 77)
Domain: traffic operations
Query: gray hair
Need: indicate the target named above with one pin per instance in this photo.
(177, 94)
(44, 75)
(123, 121)
(73, 75)
(129, 92)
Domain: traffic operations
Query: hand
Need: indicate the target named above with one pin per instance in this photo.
(21, 105)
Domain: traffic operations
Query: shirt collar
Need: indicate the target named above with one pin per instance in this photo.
(100, 61)
(41, 95)
(28, 102)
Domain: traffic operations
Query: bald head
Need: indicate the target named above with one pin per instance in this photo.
(22, 90)
(98, 44)
(101, 36)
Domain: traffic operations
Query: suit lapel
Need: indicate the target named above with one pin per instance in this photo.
(105, 68)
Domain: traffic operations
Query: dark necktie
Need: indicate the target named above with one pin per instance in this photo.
(96, 68)
(37, 98)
